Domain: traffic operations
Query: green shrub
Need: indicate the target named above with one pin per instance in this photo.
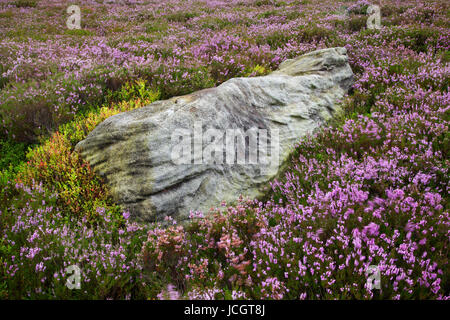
(3, 80)
(357, 23)
(293, 15)
(260, 3)
(156, 26)
(257, 71)
(214, 23)
(199, 78)
(315, 33)
(137, 89)
(78, 32)
(275, 39)
(267, 14)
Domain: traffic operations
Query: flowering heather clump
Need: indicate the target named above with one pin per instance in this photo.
(370, 190)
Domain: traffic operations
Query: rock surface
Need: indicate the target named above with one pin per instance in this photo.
(153, 174)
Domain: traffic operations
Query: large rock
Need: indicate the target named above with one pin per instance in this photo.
(153, 174)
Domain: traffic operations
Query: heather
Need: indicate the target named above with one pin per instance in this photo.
(369, 189)
(39, 243)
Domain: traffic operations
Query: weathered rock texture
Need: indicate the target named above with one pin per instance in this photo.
(133, 150)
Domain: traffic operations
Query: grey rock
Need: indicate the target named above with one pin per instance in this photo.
(136, 151)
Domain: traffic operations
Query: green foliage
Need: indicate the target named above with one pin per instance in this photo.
(11, 153)
(260, 3)
(267, 14)
(405, 67)
(180, 16)
(445, 56)
(3, 80)
(6, 186)
(78, 32)
(7, 14)
(292, 15)
(156, 26)
(257, 71)
(199, 78)
(214, 23)
(275, 39)
(357, 23)
(55, 164)
(25, 3)
(315, 32)
(421, 38)
(137, 89)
